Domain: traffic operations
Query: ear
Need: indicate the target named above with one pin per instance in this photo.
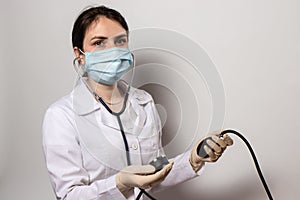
(77, 52)
(79, 55)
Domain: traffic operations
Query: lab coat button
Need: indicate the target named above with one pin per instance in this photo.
(134, 146)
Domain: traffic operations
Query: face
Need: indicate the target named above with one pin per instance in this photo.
(103, 34)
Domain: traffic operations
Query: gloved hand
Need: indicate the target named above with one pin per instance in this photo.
(214, 147)
(141, 176)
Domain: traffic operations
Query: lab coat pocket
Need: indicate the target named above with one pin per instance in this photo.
(149, 148)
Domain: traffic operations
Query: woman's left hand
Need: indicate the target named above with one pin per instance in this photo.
(213, 146)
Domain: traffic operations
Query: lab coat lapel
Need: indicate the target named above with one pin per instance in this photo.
(108, 119)
(139, 101)
(140, 120)
(84, 103)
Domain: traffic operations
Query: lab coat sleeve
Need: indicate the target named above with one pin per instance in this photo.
(181, 171)
(64, 161)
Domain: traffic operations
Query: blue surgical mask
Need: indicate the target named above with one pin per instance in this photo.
(108, 66)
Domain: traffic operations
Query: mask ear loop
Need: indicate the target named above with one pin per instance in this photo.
(81, 73)
(79, 68)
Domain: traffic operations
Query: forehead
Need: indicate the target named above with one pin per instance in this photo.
(103, 27)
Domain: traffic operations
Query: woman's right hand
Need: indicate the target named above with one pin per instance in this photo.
(141, 176)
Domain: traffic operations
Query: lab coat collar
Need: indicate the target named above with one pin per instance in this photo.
(84, 102)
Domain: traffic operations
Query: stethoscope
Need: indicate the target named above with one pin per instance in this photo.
(200, 152)
(99, 99)
(118, 115)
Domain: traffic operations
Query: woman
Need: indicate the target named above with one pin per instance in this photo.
(85, 132)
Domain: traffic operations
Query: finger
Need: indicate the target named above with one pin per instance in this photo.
(219, 141)
(145, 181)
(164, 173)
(166, 169)
(195, 157)
(212, 155)
(149, 179)
(215, 147)
(227, 140)
(140, 169)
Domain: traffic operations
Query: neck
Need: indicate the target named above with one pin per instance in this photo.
(109, 93)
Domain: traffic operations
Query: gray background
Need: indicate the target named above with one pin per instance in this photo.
(254, 44)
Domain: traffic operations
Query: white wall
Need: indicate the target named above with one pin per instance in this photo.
(254, 44)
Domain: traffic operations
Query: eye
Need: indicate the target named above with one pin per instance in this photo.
(99, 43)
(121, 41)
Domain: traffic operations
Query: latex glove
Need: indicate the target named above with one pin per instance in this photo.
(214, 148)
(141, 176)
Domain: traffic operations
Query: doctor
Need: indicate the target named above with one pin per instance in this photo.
(98, 140)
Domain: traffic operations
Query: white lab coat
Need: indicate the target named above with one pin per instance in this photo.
(84, 149)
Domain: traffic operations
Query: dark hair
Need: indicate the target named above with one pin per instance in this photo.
(90, 15)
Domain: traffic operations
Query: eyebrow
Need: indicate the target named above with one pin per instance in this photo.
(99, 37)
(103, 37)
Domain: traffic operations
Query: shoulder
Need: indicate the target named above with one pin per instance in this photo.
(60, 113)
(58, 124)
(62, 105)
(141, 96)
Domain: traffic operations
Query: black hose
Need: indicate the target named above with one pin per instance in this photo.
(200, 148)
(254, 159)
